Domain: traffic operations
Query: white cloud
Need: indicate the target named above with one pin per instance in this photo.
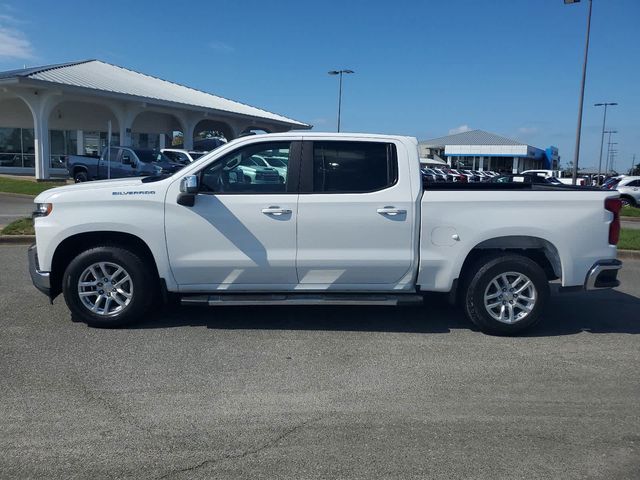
(13, 43)
(221, 47)
(527, 130)
(460, 129)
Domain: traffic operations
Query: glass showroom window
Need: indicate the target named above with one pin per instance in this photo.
(62, 143)
(17, 147)
(146, 140)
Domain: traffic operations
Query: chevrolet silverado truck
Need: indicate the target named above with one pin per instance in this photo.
(351, 224)
(120, 162)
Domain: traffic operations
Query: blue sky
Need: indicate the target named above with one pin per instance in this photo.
(423, 68)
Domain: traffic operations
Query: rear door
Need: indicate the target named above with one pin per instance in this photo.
(355, 216)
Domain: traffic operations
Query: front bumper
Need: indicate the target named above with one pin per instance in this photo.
(603, 274)
(40, 279)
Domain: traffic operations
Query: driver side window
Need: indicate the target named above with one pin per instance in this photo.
(257, 168)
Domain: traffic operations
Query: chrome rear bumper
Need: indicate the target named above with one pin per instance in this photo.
(603, 274)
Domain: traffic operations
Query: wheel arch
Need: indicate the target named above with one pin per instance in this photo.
(538, 249)
(75, 244)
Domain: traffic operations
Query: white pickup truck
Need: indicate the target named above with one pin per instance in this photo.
(351, 224)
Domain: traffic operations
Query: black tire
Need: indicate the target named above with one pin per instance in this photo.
(478, 282)
(80, 176)
(143, 286)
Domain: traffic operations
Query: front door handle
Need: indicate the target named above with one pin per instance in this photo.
(391, 211)
(275, 211)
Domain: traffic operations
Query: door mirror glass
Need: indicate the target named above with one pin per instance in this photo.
(189, 184)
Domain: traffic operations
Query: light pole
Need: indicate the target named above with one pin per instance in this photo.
(340, 73)
(584, 75)
(604, 122)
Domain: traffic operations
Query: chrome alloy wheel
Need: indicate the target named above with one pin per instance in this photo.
(105, 288)
(510, 297)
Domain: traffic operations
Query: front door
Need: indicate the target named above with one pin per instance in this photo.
(241, 231)
(356, 216)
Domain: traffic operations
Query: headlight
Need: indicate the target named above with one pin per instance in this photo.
(42, 210)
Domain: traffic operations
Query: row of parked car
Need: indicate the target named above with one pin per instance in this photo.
(445, 174)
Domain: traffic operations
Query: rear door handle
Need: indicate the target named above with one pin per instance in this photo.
(275, 211)
(391, 211)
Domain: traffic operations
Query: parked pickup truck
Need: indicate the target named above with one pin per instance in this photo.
(123, 162)
(351, 224)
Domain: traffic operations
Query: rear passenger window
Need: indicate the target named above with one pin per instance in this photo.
(353, 167)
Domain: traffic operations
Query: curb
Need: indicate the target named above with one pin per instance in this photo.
(630, 219)
(629, 254)
(17, 195)
(17, 239)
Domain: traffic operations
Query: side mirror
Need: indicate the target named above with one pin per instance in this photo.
(189, 184)
(188, 190)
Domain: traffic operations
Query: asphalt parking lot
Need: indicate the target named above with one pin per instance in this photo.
(301, 392)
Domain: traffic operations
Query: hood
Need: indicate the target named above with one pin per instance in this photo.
(118, 182)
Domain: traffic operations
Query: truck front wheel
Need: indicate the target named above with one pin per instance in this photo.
(108, 286)
(505, 294)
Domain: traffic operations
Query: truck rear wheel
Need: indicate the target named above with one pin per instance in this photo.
(80, 176)
(506, 294)
(108, 286)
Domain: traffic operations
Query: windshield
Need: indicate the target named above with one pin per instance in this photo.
(149, 156)
(275, 162)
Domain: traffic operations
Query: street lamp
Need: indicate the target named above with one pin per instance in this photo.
(340, 72)
(584, 75)
(604, 121)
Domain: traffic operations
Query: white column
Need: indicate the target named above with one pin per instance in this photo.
(481, 166)
(449, 160)
(515, 164)
(161, 140)
(41, 146)
(41, 103)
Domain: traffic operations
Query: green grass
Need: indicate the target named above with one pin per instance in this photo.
(13, 185)
(24, 226)
(630, 212)
(629, 239)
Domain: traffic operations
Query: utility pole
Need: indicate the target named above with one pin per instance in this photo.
(606, 170)
(584, 76)
(604, 123)
(633, 164)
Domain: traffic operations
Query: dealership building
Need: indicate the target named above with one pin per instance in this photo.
(480, 150)
(55, 110)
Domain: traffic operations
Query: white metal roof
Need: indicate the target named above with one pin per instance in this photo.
(98, 75)
(472, 137)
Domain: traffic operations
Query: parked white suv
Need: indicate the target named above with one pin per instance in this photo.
(629, 188)
(351, 224)
(182, 156)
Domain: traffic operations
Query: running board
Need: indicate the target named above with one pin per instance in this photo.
(236, 299)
